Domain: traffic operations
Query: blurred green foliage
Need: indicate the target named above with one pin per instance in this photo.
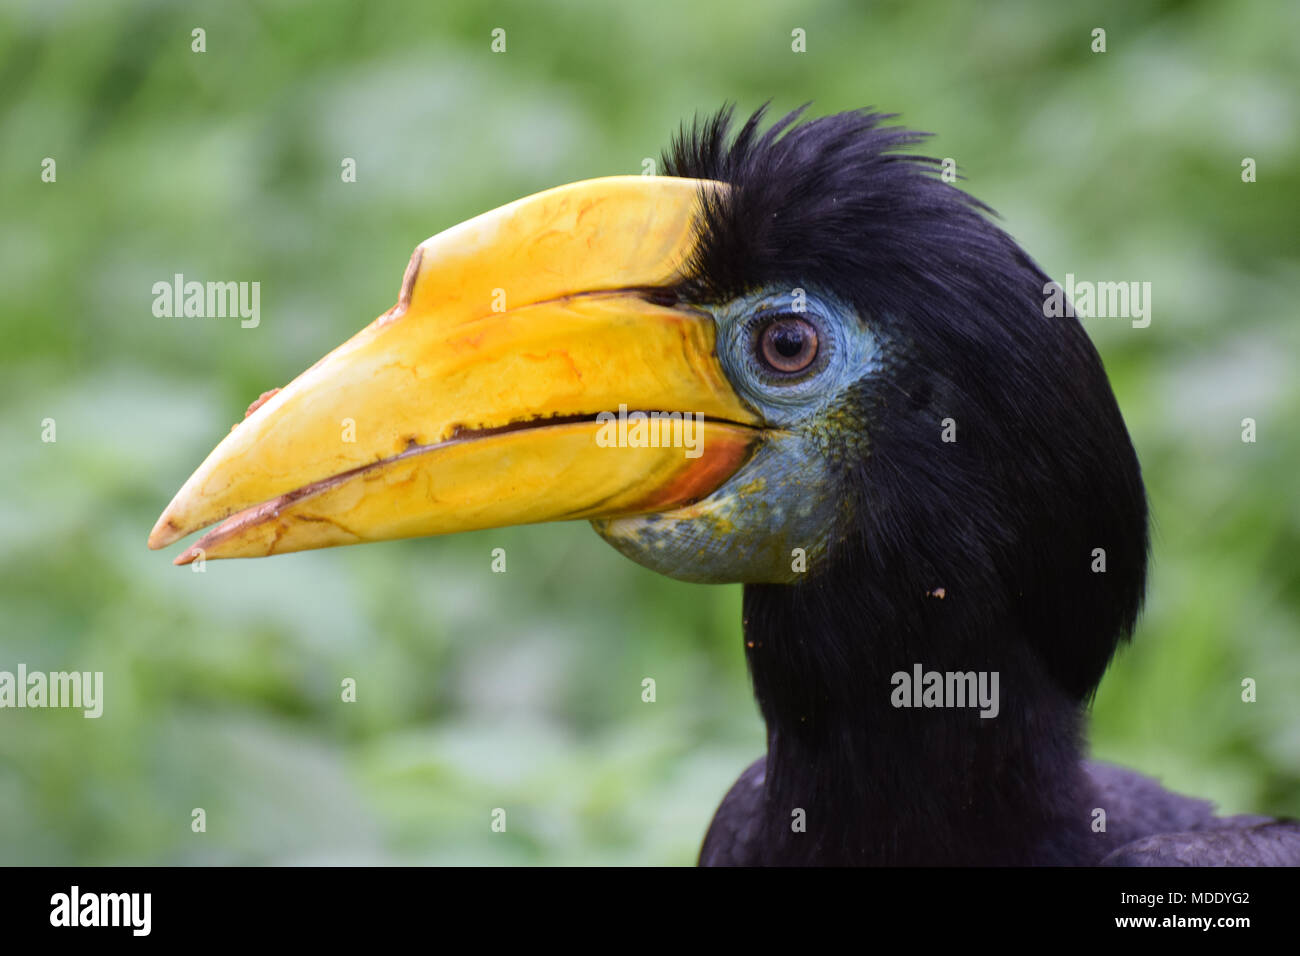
(522, 690)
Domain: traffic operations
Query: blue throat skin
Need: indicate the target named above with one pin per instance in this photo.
(776, 519)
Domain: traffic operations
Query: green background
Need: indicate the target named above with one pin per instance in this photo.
(523, 690)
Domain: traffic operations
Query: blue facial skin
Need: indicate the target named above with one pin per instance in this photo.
(787, 496)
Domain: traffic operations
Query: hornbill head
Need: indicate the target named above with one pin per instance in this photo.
(886, 410)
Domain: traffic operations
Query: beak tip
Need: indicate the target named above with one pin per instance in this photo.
(165, 532)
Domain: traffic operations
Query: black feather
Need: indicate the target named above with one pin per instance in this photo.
(1003, 523)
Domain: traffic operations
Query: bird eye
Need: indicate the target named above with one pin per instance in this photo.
(788, 344)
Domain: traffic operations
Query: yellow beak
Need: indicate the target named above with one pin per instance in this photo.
(473, 402)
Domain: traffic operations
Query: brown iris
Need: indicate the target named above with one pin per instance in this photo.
(789, 344)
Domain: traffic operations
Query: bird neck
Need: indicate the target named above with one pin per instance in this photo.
(864, 767)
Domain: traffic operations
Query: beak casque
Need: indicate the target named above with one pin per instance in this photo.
(472, 403)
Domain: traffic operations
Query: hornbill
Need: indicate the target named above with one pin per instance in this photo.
(907, 459)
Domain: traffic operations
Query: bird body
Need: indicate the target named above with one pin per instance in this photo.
(1146, 825)
(907, 458)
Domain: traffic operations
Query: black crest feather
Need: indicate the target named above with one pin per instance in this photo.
(1042, 473)
(1018, 550)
